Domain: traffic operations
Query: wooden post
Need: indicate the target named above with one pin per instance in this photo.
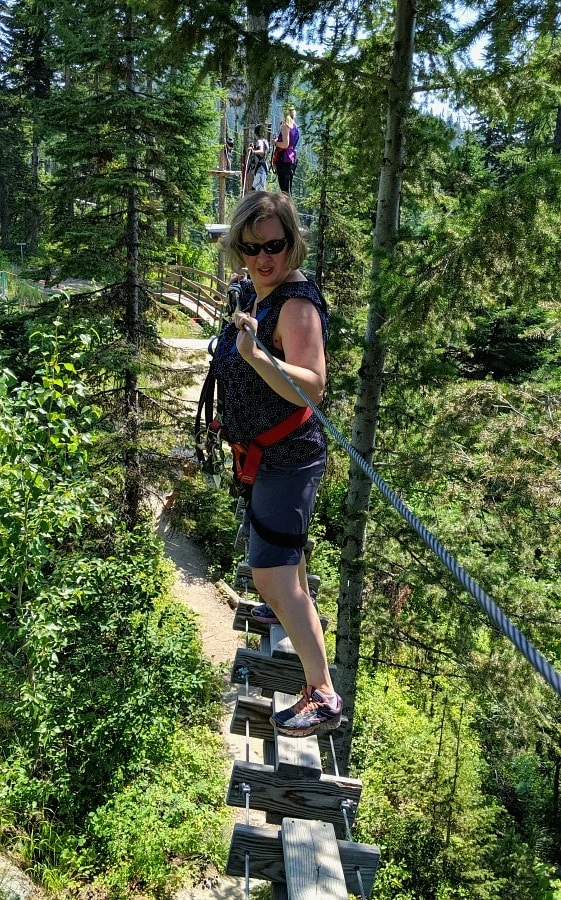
(222, 187)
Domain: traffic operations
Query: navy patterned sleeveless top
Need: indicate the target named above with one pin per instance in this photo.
(250, 405)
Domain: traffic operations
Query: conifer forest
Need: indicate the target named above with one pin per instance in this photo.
(429, 183)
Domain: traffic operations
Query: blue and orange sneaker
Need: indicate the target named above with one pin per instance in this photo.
(265, 614)
(309, 715)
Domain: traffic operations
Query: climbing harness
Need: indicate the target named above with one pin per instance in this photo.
(246, 458)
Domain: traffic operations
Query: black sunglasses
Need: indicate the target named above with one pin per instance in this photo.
(271, 247)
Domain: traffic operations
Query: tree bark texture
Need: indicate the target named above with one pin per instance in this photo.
(371, 371)
(555, 796)
(557, 133)
(260, 78)
(4, 215)
(221, 271)
(322, 217)
(132, 315)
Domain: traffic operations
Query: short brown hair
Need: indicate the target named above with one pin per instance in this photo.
(260, 206)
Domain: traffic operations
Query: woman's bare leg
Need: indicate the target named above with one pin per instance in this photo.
(280, 587)
(302, 576)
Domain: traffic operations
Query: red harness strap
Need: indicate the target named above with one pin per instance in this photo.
(247, 459)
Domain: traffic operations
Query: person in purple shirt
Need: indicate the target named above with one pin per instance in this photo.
(286, 143)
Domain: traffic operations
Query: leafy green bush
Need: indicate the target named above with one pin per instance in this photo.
(98, 667)
(207, 515)
(424, 802)
(128, 666)
(166, 823)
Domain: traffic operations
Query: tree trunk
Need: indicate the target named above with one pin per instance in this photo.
(322, 217)
(259, 86)
(436, 767)
(454, 781)
(555, 797)
(34, 223)
(371, 370)
(557, 134)
(132, 318)
(4, 215)
(222, 164)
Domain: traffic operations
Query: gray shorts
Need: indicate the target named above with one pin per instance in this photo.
(282, 499)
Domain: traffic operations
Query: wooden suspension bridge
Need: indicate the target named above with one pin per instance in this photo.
(311, 852)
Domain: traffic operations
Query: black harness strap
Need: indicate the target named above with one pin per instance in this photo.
(277, 538)
(206, 402)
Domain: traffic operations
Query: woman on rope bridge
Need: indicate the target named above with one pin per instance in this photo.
(289, 315)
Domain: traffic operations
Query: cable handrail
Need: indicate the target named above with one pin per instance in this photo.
(493, 611)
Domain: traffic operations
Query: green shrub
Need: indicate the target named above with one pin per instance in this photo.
(98, 667)
(168, 822)
(125, 667)
(207, 515)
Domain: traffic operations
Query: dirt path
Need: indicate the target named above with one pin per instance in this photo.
(220, 642)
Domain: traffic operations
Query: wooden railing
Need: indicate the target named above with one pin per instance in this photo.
(201, 293)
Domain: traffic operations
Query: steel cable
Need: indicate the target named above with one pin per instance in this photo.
(494, 612)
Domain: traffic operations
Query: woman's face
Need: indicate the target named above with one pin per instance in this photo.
(266, 270)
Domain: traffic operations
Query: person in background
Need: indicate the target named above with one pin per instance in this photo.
(228, 149)
(289, 315)
(286, 144)
(260, 151)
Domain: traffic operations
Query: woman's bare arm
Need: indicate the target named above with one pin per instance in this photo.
(285, 137)
(300, 335)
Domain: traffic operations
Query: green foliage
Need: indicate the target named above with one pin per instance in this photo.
(168, 822)
(180, 325)
(15, 174)
(107, 139)
(424, 800)
(205, 513)
(98, 667)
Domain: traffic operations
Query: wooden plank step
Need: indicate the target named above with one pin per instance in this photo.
(299, 797)
(311, 861)
(266, 859)
(266, 672)
(295, 757)
(281, 645)
(243, 575)
(269, 753)
(243, 615)
(259, 709)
